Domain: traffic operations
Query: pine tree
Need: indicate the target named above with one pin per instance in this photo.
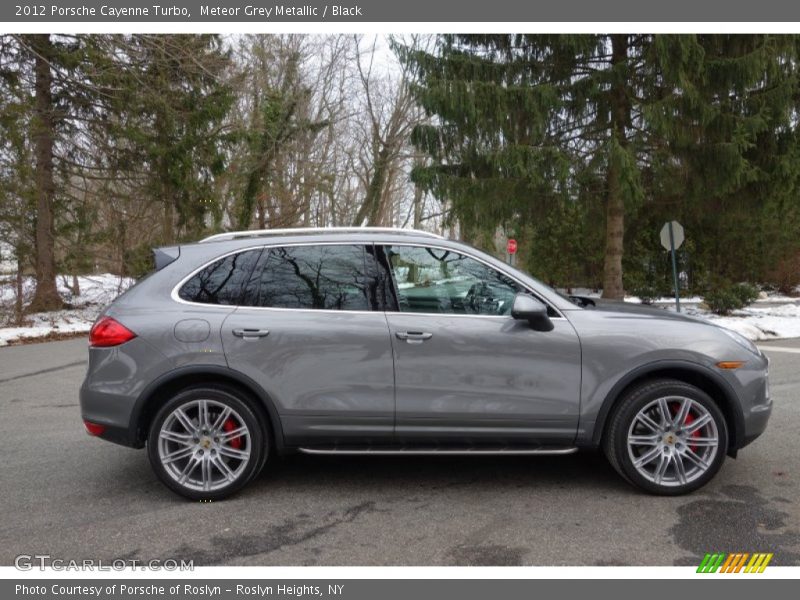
(167, 124)
(526, 125)
(730, 160)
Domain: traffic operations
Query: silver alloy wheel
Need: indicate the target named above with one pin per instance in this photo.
(672, 441)
(204, 445)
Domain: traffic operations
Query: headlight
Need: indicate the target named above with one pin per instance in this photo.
(742, 341)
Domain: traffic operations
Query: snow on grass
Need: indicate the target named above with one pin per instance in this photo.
(96, 292)
(762, 323)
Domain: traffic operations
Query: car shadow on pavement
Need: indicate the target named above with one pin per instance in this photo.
(581, 470)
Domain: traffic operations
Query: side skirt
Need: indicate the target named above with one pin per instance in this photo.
(440, 451)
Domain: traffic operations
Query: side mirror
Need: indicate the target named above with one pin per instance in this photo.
(528, 308)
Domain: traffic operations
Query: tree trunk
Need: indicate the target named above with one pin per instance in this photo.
(615, 204)
(615, 216)
(18, 301)
(46, 296)
(168, 222)
(418, 196)
(370, 209)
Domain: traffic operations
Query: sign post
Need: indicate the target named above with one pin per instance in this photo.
(511, 248)
(672, 236)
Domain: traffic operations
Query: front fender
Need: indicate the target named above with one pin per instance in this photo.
(592, 422)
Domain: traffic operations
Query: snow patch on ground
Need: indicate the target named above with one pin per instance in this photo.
(762, 323)
(96, 292)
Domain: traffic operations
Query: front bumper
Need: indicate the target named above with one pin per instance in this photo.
(755, 400)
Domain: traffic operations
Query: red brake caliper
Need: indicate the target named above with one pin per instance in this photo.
(687, 421)
(230, 425)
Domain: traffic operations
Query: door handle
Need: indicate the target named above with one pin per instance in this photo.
(250, 333)
(413, 337)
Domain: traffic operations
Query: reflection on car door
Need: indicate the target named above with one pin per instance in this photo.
(463, 367)
(307, 334)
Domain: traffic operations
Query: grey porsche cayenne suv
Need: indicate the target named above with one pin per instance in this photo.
(384, 342)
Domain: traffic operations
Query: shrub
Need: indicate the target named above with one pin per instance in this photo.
(746, 293)
(646, 293)
(785, 276)
(726, 298)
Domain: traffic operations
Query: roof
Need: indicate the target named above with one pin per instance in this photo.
(299, 231)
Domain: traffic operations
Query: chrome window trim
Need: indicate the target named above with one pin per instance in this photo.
(233, 307)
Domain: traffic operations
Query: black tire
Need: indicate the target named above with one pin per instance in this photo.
(615, 440)
(257, 443)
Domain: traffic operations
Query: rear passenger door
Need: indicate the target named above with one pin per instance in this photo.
(306, 331)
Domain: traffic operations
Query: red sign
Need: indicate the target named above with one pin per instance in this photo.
(512, 246)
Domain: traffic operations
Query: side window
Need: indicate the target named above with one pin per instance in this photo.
(329, 277)
(221, 282)
(433, 280)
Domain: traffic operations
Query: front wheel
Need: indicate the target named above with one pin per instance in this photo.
(206, 443)
(667, 437)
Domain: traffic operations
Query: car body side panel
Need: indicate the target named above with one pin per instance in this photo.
(329, 373)
(486, 378)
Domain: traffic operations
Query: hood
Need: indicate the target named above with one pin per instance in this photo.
(629, 309)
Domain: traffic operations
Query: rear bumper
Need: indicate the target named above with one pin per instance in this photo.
(114, 382)
(113, 412)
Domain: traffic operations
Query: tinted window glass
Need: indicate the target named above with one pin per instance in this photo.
(381, 287)
(221, 282)
(321, 277)
(432, 280)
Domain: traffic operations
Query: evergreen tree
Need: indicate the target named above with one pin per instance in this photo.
(527, 125)
(47, 89)
(166, 121)
(729, 164)
(520, 117)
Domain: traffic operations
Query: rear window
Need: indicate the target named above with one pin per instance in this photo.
(331, 277)
(222, 281)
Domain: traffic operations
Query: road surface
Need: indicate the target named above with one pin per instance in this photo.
(74, 497)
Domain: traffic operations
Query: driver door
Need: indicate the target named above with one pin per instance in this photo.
(464, 368)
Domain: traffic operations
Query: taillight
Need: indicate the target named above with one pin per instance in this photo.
(94, 428)
(109, 332)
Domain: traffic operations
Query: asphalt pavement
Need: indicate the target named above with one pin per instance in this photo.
(65, 494)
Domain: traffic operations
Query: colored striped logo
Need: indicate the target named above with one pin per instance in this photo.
(735, 563)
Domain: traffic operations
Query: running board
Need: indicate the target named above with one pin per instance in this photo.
(551, 451)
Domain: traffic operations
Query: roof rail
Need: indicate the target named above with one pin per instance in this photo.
(248, 233)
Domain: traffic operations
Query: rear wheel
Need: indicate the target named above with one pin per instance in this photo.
(206, 443)
(667, 437)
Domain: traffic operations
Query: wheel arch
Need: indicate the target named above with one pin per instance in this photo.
(694, 374)
(162, 388)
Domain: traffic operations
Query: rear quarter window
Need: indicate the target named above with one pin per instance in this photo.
(222, 281)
